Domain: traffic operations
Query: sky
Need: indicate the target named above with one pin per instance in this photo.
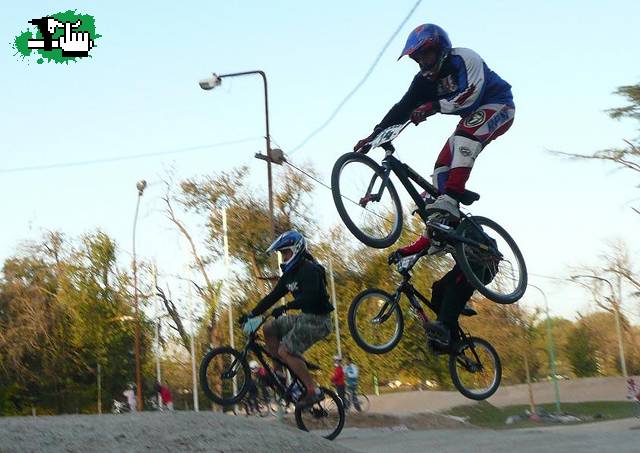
(138, 94)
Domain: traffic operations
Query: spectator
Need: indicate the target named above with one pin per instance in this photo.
(130, 394)
(351, 371)
(165, 395)
(338, 378)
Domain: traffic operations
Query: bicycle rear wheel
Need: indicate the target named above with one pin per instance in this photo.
(325, 418)
(494, 265)
(355, 182)
(375, 321)
(475, 368)
(218, 370)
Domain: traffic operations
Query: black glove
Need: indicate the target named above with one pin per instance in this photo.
(394, 257)
(242, 319)
(278, 311)
(363, 145)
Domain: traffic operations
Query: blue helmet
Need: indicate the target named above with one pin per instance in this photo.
(291, 240)
(428, 36)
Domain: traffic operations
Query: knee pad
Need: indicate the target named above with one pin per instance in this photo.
(465, 151)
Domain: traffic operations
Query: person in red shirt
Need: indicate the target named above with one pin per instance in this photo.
(165, 395)
(338, 377)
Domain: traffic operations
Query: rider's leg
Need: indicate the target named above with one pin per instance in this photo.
(457, 293)
(298, 367)
(272, 341)
(307, 330)
(456, 159)
(449, 296)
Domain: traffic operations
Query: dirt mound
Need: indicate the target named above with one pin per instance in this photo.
(157, 432)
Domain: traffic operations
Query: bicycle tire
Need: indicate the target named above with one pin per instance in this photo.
(379, 243)
(357, 336)
(453, 370)
(339, 407)
(462, 258)
(204, 382)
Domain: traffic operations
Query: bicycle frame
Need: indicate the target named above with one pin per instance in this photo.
(414, 297)
(406, 175)
(260, 351)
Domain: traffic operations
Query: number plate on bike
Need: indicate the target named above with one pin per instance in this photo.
(387, 135)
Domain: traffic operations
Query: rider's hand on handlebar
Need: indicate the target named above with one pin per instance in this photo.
(242, 319)
(363, 146)
(424, 111)
(278, 311)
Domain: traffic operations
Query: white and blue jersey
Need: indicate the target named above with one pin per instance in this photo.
(464, 83)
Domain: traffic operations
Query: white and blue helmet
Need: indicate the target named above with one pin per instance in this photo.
(291, 240)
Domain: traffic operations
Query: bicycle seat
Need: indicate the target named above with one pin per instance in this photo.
(311, 366)
(468, 197)
(468, 311)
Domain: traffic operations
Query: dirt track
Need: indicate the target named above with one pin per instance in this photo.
(589, 389)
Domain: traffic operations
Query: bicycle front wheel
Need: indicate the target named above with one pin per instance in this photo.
(475, 368)
(371, 212)
(375, 321)
(493, 263)
(224, 375)
(325, 418)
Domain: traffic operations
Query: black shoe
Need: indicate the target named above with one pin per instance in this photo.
(438, 332)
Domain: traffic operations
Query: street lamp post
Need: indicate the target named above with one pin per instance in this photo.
(226, 281)
(552, 354)
(140, 185)
(273, 155)
(616, 312)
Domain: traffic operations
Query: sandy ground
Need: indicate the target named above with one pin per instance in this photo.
(619, 436)
(156, 432)
(589, 389)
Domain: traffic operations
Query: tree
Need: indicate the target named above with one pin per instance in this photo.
(627, 158)
(581, 351)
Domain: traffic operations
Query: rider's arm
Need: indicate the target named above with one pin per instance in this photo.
(417, 94)
(471, 72)
(267, 301)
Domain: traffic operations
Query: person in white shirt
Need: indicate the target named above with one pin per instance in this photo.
(352, 376)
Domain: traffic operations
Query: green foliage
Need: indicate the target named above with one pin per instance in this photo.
(64, 310)
(581, 352)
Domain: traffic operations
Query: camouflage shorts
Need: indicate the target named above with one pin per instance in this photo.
(299, 332)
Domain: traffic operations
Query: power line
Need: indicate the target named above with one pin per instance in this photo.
(123, 158)
(357, 87)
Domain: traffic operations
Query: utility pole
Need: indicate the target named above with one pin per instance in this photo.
(335, 306)
(616, 306)
(552, 354)
(157, 333)
(225, 239)
(99, 390)
(196, 406)
(140, 185)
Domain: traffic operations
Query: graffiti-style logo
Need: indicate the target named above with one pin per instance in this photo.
(59, 38)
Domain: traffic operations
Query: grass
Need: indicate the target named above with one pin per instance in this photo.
(486, 415)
